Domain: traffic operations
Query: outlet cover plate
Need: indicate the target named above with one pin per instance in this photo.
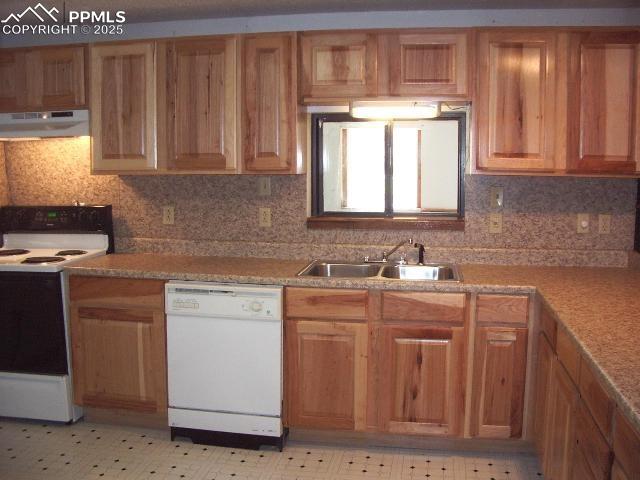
(264, 186)
(582, 223)
(264, 217)
(495, 223)
(604, 224)
(168, 215)
(497, 197)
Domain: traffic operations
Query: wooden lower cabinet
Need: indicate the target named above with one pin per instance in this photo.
(326, 370)
(591, 455)
(498, 382)
(423, 377)
(543, 386)
(560, 424)
(119, 344)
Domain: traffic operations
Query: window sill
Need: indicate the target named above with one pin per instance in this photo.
(387, 223)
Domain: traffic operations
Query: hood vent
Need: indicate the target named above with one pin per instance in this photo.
(30, 125)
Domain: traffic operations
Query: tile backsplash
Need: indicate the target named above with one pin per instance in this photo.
(218, 215)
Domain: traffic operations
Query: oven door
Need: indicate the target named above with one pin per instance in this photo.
(32, 336)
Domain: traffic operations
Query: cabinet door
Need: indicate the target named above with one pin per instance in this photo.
(592, 455)
(563, 399)
(56, 77)
(12, 80)
(604, 104)
(118, 344)
(543, 385)
(123, 107)
(516, 101)
(416, 64)
(269, 113)
(201, 104)
(338, 65)
(498, 382)
(326, 374)
(424, 372)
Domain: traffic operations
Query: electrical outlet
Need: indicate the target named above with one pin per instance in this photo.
(168, 215)
(264, 186)
(583, 223)
(604, 224)
(495, 223)
(264, 217)
(497, 197)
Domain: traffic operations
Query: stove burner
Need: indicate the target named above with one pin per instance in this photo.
(13, 251)
(43, 260)
(67, 253)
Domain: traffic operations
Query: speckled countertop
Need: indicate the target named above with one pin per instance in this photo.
(600, 307)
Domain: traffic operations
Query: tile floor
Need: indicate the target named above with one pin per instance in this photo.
(33, 451)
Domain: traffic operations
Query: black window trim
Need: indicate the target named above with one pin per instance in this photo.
(317, 200)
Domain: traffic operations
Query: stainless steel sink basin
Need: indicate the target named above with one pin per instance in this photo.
(429, 272)
(340, 270)
(421, 272)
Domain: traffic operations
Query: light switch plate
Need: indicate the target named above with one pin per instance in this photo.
(495, 223)
(264, 186)
(168, 215)
(604, 224)
(264, 217)
(583, 223)
(497, 197)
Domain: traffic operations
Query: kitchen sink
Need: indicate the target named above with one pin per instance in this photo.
(430, 272)
(421, 272)
(340, 270)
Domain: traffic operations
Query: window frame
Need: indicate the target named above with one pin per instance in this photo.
(317, 193)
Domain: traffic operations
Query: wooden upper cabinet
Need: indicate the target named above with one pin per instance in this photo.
(603, 132)
(516, 99)
(123, 107)
(198, 104)
(423, 371)
(420, 63)
(56, 77)
(498, 382)
(12, 80)
(269, 105)
(338, 65)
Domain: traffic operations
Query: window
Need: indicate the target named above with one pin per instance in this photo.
(388, 169)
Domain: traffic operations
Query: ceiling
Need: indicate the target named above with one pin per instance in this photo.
(138, 11)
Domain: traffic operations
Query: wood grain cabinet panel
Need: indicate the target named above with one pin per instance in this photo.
(13, 93)
(568, 354)
(200, 104)
(591, 455)
(118, 344)
(596, 399)
(56, 77)
(325, 303)
(420, 63)
(423, 380)
(269, 105)
(548, 326)
(424, 307)
(617, 473)
(123, 107)
(543, 387)
(560, 435)
(326, 365)
(626, 445)
(510, 310)
(604, 104)
(498, 382)
(516, 101)
(338, 65)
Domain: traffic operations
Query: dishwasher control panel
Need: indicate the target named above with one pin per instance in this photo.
(224, 301)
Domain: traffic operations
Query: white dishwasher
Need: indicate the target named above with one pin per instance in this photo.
(224, 355)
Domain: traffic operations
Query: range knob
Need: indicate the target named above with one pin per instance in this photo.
(255, 306)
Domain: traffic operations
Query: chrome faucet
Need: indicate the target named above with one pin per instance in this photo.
(386, 255)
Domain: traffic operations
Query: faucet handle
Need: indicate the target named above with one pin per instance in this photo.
(403, 259)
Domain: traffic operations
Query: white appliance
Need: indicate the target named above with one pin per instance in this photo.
(29, 125)
(35, 361)
(224, 356)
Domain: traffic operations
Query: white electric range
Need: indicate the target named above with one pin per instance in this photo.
(35, 361)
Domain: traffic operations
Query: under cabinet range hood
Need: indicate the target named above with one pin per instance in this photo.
(35, 125)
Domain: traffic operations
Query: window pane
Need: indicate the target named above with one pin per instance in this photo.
(353, 166)
(425, 166)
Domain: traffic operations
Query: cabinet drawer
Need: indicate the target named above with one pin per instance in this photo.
(626, 445)
(596, 399)
(568, 354)
(548, 326)
(423, 306)
(119, 292)
(502, 309)
(341, 304)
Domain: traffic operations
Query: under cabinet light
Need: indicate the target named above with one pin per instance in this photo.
(404, 109)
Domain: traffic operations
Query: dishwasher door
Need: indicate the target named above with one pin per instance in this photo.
(230, 363)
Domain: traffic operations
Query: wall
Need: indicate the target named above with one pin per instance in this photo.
(217, 215)
(4, 185)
